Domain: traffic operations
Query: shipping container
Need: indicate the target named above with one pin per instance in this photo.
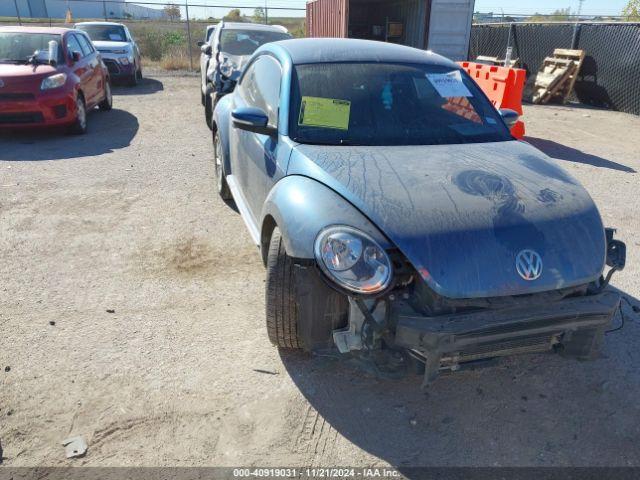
(442, 26)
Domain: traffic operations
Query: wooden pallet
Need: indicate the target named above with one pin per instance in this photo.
(557, 76)
(496, 61)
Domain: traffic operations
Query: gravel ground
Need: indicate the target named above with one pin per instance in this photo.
(131, 312)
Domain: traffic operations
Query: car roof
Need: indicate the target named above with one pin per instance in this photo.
(50, 30)
(253, 26)
(331, 50)
(112, 24)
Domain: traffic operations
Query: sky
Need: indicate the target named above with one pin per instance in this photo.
(526, 7)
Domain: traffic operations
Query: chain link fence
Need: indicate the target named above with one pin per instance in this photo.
(167, 33)
(610, 75)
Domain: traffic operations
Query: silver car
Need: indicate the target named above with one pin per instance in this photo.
(228, 49)
(118, 49)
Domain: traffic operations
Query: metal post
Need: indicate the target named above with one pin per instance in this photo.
(15, 3)
(186, 7)
(104, 10)
(576, 28)
(266, 13)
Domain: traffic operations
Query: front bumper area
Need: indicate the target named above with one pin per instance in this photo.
(116, 68)
(447, 340)
(53, 108)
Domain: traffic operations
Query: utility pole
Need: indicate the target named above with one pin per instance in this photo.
(576, 27)
(266, 13)
(580, 2)
(15, 3)
(186, 7)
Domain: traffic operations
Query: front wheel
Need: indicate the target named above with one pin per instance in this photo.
(208, 111)
(107, 103)
(133, 78)
(79, 126)
(218, 155)
(281, 305)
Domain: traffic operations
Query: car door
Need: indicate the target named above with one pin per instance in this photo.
(81, 68)
(260, 157)
(91, 56)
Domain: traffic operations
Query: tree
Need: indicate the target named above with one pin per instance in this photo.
(172, 11)
(560, 15)
(234, 15)
(632, 11)
(258, 15)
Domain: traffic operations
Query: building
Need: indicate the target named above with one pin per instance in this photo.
(443, 26)
(79, 9)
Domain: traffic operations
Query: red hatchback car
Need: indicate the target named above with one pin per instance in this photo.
(50, 77)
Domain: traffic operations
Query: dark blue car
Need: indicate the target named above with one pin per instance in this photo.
(399, 219)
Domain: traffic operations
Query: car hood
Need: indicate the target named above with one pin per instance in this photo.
(106, 45)
(23, 78)
(462, 213)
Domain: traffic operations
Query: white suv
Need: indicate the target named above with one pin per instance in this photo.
(224, 55)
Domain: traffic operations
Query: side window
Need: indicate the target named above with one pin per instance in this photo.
(87, 48)
(73, 45)
(261, 86)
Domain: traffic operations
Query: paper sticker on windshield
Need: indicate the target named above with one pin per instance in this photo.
(115, 37)
(449, 84)
(324, 112)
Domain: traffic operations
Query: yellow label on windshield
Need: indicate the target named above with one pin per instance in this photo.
(324, 112)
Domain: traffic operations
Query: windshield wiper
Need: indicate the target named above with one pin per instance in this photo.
(11, 60)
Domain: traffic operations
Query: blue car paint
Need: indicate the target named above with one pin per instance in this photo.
(459, 213)
(298, 205)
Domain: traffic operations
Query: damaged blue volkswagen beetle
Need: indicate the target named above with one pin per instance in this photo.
(399, 219)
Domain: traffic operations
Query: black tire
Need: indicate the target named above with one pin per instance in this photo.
(208, 111)
(106, 104)
(281, 305)
(79, 126)
(132, 81)
(218, 161)
(139, 73)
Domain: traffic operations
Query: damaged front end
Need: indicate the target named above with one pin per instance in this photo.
(409, 327)
(224, 76)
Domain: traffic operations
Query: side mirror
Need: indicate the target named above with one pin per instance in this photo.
(75, 57)
(205, 48)
(200, 43)
(252, 120)
(509, 116)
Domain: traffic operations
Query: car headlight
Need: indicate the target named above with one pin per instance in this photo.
(54, 81)
(353, 259)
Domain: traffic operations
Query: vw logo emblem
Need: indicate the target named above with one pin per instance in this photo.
(529, 265)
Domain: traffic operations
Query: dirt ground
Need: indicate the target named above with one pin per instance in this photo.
(131, 312)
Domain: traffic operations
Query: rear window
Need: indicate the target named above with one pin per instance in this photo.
(18, 47)
(245, 42)
(390, 104)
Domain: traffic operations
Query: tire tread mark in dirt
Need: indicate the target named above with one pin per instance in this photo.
(316, 437)
(115, 427)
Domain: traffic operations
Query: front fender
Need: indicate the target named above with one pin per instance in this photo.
(301, 207)
(222, 124)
